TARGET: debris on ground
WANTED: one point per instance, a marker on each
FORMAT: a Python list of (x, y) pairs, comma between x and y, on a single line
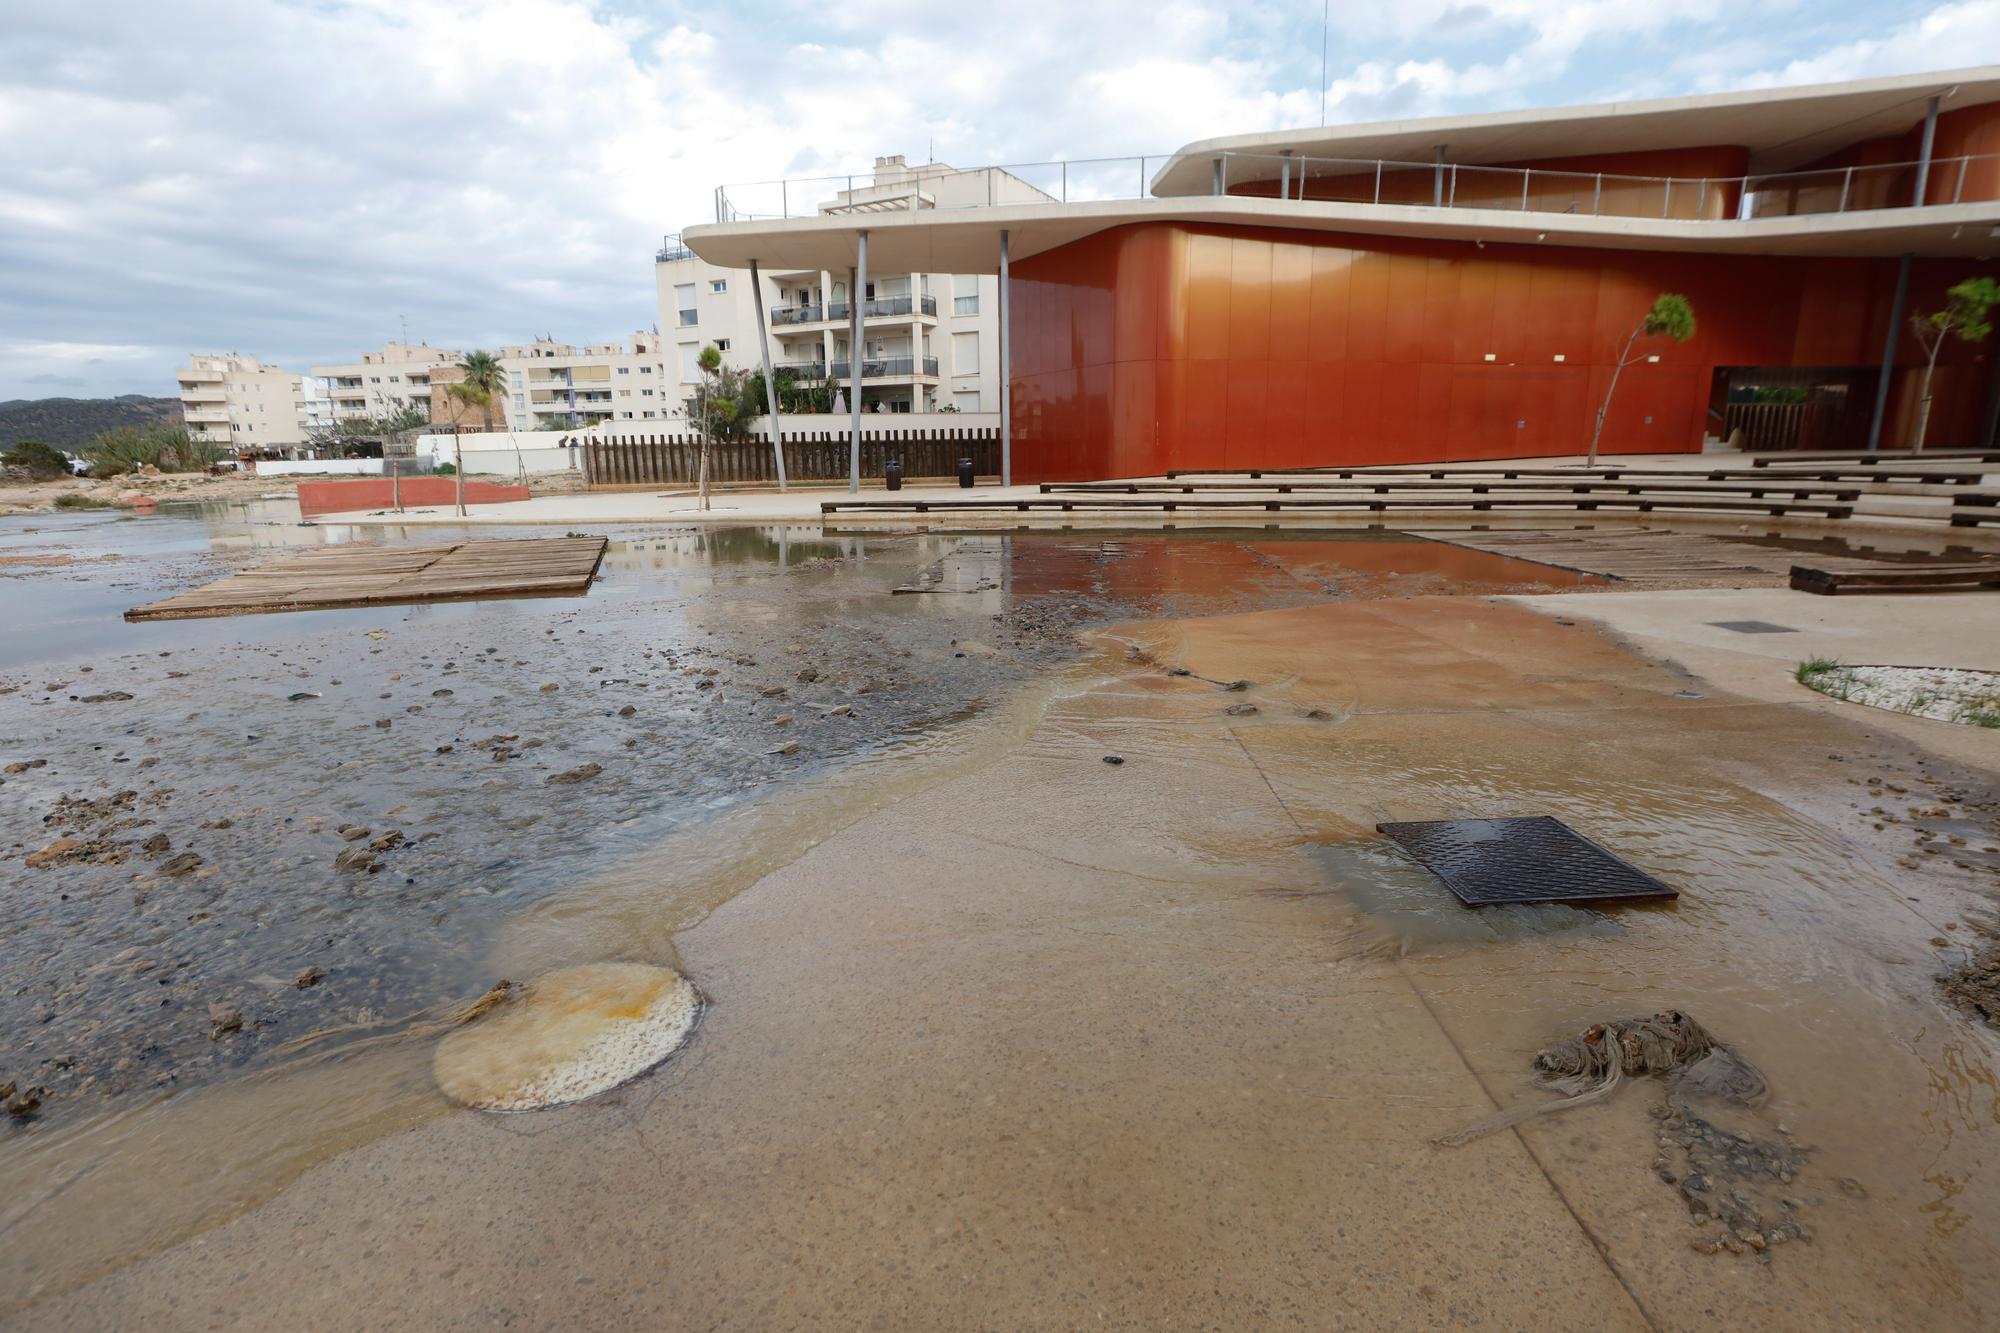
[(1974, 986), (496, 995), (1589, 1067), (1733, 1182), (581, 773)]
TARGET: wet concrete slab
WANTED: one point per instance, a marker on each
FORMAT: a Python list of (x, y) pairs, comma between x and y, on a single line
[(1029, 1038)]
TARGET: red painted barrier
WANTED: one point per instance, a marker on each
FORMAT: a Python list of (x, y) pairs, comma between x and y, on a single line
[(346, 497)]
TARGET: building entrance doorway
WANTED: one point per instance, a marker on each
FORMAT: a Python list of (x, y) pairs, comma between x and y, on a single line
[(1793, 407)]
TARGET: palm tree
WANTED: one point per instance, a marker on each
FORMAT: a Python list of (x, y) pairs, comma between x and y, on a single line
[(483, 381)]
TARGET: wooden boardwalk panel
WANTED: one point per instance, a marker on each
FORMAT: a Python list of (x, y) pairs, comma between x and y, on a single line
[(361, 574)]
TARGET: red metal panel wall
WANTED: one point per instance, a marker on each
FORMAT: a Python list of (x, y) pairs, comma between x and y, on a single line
[(347, 497), (1168, 345)]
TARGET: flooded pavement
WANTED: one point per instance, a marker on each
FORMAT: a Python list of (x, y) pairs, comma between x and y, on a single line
[(998, 1032)]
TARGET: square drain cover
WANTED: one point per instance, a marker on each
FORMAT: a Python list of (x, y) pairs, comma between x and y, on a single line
[(1532, 860), (1753, 627)]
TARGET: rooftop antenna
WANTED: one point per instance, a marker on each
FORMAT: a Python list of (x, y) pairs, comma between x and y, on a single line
[(404, 320), (1325, 22)]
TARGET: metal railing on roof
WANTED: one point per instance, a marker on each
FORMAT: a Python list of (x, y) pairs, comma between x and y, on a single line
[(672, 249), (1386, 182)]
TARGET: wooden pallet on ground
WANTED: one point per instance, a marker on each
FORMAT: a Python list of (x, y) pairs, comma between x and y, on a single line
[(366, 574), (1895, 578)]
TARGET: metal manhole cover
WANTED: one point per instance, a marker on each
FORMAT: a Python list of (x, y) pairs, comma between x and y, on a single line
[(1753, 627), (1533, 860)]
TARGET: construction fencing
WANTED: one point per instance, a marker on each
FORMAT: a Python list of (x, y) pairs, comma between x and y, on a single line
[(674, 460)]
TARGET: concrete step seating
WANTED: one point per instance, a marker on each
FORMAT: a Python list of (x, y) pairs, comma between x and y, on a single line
[(1880, 458), (1364, 501)]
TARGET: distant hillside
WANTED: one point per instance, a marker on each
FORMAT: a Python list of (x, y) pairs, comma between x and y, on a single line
[(69, 422)]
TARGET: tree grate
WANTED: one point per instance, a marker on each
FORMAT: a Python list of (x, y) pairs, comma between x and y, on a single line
[(1536, 859)]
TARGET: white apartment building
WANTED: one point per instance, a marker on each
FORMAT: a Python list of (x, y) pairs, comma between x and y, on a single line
[(930, 341), (397, 377), (554, 386), (241, 402)]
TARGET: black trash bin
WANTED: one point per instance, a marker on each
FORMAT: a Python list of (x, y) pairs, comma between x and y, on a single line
[(965, 474), (892, 475)]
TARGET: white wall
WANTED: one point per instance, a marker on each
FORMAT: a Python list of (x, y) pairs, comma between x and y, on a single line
[(332, 467), (506, 453)]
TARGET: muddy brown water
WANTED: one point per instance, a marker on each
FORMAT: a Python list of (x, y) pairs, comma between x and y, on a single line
[(1003, 1031)]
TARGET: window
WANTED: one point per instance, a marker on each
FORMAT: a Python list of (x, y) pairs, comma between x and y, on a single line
[(690, 362), (718, 285), (626, 415), (624, 393), (517, 379), (374, 379), (722, 344), (520, 400), (966, 400), (645, 370), (645, 393), (965, 353), (647, 414), (624, 370), (684, 302), (395, 379)]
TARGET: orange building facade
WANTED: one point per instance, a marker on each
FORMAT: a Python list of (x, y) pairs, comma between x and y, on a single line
[(1169, 345)]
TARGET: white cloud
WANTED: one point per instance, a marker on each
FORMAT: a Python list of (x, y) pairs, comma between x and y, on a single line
[(294, 178), (1948, 37)]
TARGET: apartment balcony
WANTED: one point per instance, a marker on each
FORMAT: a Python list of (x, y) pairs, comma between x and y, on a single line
[(203, 415), (890, 367), (200, 377), (203, 393), (798, 314)]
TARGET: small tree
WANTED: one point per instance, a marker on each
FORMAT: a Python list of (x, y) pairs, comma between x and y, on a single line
[(1967, 315), (706, 407), (1670, 317)]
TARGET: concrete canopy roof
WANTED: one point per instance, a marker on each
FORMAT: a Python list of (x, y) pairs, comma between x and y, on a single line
[(1783, 128), (967, 240)]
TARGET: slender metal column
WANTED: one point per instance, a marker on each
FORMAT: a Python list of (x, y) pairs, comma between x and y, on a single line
[(857, 282), (1889, 353), (1006, 374), (1924, 154), (1285, 175), (1437, 179), (770, 381)]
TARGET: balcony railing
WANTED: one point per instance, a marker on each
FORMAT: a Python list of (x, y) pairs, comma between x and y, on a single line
[(886, 367), (800, 370), (888, 307), (1370, 181), (672, 249), (797, 314)]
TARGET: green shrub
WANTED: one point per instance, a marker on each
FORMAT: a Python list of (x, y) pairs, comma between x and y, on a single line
[(444, 470), (72, 500), (38, 459), (168, 448)]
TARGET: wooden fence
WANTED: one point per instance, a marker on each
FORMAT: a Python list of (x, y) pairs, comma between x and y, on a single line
[(659, 460)]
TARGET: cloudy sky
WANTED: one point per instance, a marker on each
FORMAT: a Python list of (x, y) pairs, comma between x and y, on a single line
[(306, 179)]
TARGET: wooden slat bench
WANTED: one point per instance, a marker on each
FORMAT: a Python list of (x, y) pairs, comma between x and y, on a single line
[(1896, 578), (1959, 477)]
